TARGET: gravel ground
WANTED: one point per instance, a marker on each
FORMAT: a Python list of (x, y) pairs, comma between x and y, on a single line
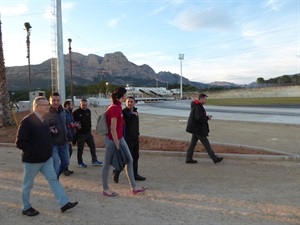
[(234, 192)]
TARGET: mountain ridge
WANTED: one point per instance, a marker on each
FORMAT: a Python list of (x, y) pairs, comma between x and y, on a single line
[(90, 69)]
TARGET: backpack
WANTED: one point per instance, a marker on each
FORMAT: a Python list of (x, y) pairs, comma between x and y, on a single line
[(101, 125)]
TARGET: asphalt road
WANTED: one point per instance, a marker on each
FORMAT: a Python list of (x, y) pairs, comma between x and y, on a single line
[(282, 115)]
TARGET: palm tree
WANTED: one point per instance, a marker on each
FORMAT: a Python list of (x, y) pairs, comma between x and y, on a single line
[(6, 112)]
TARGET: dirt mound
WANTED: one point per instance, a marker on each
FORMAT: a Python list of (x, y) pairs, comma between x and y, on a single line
[(8, 135)]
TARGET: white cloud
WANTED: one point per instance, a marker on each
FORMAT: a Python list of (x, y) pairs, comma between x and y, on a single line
[(114, 22), (211, 18), (14, 10), (165, 5), (274, 5), (67, 6)]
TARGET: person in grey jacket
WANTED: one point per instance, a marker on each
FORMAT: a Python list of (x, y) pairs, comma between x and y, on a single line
[(56, 118), (197, 125)]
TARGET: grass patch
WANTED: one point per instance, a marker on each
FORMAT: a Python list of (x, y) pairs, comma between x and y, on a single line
[(254, 101)]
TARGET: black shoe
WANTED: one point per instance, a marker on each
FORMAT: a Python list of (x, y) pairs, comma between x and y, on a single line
[(116, 175), (138, 177), (30, 212), (69, 205), (191, 161), (218, 159), (67, 172)]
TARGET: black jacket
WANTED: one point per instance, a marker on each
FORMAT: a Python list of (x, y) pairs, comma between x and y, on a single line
[(58, 119), (197, 122), (131, 121), (34, 139), (85, 119)]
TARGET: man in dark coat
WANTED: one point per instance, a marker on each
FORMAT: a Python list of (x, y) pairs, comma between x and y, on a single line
[(132, 133), (82, 116), (34, 139), (56, 117), (198, 126)]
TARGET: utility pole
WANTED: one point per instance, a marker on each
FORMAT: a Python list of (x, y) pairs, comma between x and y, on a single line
[(71, 76), (181, 57), (61, 88), (27, 28)]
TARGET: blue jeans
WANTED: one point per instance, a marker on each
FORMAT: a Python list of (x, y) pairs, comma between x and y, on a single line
[(110, 148), (61, 158), (46, 168)]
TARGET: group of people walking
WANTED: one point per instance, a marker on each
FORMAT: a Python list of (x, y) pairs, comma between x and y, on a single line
[(46, 137)]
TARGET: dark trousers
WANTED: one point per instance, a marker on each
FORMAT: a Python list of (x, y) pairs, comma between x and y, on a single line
[(89, 140), (205, 143), (70, 152), (134, 146)]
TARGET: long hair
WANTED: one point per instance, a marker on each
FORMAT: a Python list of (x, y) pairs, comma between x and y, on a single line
[(118, 93)]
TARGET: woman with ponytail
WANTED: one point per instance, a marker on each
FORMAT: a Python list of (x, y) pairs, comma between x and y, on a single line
[(114, 141)]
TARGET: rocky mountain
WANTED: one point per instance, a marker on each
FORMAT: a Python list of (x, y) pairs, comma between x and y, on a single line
[(113, 67), (223, 84)]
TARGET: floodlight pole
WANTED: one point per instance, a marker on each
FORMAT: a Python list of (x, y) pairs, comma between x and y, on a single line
[(27, 28), (181, 57), (71, 76), (106, 87)]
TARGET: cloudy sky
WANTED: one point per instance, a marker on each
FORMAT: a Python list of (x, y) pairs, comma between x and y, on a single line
[(222, 40)]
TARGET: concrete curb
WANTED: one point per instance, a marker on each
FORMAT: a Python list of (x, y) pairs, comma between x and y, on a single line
[(228, 145), (293, 158), (283, 157)]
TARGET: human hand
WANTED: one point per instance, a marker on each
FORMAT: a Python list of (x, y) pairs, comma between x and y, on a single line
[(77, 125), (53, 130)]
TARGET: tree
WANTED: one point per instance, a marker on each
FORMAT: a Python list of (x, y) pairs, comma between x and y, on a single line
[(260, 80), (295, 79), (285, 79), (6, 112)]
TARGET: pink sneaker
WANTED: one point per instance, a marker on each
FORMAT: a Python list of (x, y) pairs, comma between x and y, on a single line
[(137, 191)]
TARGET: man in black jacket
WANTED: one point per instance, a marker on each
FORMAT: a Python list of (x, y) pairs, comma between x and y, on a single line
[(198, 126), (131, 135), (34, 139), (56, 117), (83, 116)]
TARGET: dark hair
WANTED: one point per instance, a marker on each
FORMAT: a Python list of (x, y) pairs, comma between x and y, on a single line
[(118, 93), (131, 98), (202, 96), (67, 102), (54, 94)]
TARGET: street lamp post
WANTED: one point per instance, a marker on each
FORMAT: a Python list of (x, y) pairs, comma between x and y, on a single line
[(181, 57), (71, 76), (27, 28), (106, 84)]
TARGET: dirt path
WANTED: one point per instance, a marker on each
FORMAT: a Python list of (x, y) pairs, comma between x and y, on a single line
[(233, 192)]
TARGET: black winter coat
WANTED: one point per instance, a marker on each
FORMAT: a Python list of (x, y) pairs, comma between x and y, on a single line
[(85, 119), (34, 139), (197, 122), (131, 121), (58, 119)]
